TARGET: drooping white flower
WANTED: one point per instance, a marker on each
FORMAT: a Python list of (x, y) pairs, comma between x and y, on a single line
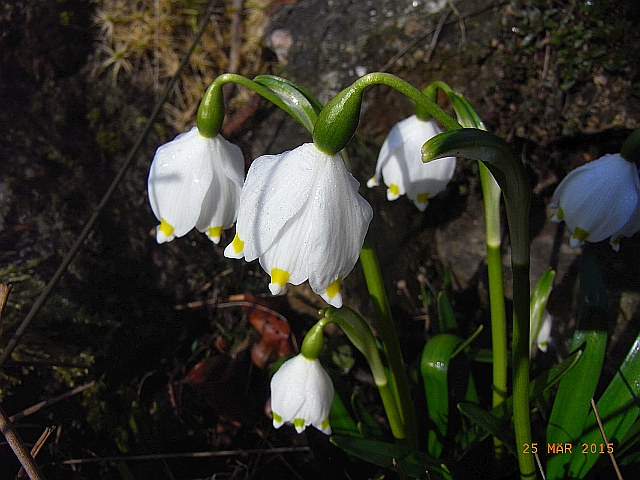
[(598, 200), (302, 393), (400, 163), (301, 215), (195, 181), (543, 335)]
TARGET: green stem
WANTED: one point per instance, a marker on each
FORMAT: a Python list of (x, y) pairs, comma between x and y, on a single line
[(491, 193), (359, 333), (389, 338), (491, 198), (211, 109), (509, 172), (520, 355), (338, 120)]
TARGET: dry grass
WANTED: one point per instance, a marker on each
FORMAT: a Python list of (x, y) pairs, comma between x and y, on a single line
[(143, 42)]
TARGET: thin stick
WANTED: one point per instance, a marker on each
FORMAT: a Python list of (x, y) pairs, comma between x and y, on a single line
[(18, 447), (606, 442), (166, 456), (44, 295), (37, 447), (47, 403)]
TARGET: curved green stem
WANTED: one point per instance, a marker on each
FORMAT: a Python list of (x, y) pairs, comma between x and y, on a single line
[(510, 174), (338, 120), (211, 110), (389, 337), (360, 334)]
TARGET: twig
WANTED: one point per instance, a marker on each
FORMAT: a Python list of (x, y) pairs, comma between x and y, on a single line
[(236, 37), (18, 447), (37, 447), (44, 295), (47, 403), (167, 456), (436, 35), (606, 442)]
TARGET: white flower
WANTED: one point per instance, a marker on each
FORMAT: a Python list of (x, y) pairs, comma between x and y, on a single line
[(598, 200), (400, 163), (301, 215), (302, 393), (543, 335), (195, 181)]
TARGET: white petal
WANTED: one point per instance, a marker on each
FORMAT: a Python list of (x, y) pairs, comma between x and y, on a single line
[(598, 197), (179, 178), (276, 187), (630, 228), (343, 218), (220, 206)]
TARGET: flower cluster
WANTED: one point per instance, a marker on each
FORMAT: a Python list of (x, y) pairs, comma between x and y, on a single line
[(598, 200), (299, 212)]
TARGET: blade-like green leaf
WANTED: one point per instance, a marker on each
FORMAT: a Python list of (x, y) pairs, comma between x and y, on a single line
[(572, 403), (618, 409), (302, 105), (404, 460), (340, 419), (368, 425), (446, 316), (490, 423), (539, 302), (434, 367), (537, 387)]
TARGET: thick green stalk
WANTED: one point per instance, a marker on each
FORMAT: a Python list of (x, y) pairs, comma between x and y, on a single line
[(509, 172), (491, 193), (491, 198), (389, 337)]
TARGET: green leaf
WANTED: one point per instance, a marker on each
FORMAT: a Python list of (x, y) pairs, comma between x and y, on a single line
[(302, 105), (340, 420), (367, 425), (618, 408), (539, 302), (537, 387), (490, 423), (446, 316), (434, 367), (401, 459), (572, 403)]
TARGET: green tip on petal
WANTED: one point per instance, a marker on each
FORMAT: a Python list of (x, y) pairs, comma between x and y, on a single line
[(325, 426), (578, 237), (277, 420), (299, 423), (334, 288)]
